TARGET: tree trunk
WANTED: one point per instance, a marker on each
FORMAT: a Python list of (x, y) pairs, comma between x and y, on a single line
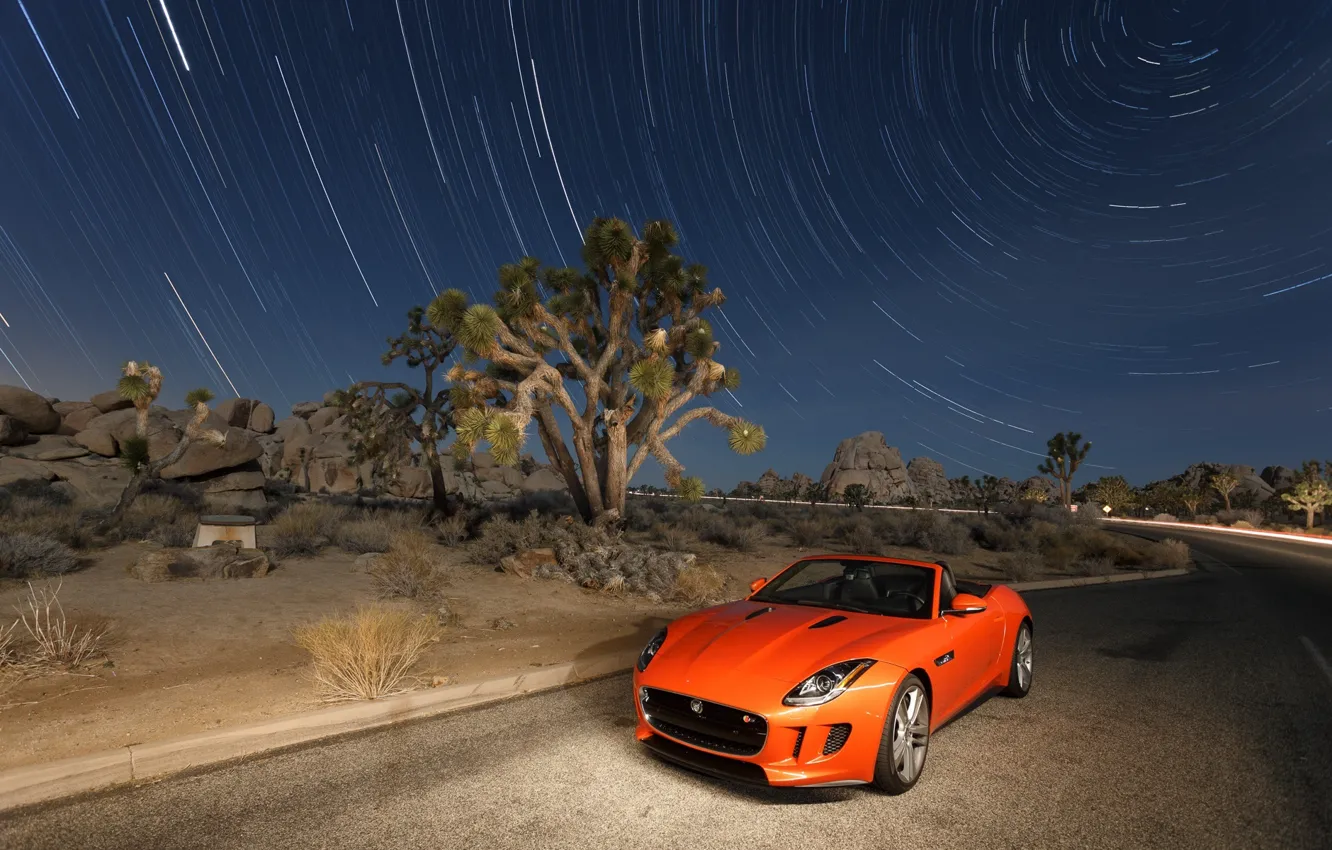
[(1226, 496), (617, 462), (439, 494), (1309, 515), (127, 497), (553, 443)]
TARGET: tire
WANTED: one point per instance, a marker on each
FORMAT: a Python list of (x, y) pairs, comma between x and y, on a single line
[(906, 739), (1019, 670)]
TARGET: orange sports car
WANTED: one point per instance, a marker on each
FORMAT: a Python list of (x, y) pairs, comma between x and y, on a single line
[(833, 672)]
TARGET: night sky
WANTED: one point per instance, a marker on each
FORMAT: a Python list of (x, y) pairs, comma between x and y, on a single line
[(965, 224)]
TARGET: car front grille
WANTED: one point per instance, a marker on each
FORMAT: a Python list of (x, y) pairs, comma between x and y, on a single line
[(837, 736), (713, 726)]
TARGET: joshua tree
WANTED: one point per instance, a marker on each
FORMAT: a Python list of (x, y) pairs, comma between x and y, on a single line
[(1192, 498), (857, 496), (1310, 495), (141, 383), (1066, 454), (389, 418), (1114, 492), (987, 493), (632, 354), (816, 492), (1036, 495), (1162, 496), (1225, 484)]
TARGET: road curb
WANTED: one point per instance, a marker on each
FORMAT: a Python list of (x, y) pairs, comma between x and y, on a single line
[(1090, 580), (1287, 536), (24, 786)]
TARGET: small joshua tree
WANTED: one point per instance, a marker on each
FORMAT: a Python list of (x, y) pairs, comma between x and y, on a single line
[(388, 419), (141, 383), (631, 350), (857, 496), (816, 492), (1114, 492), (1192, 498), (1225, 484), (1035, 495), (987, 493), (1310, 495), (1066, 452)]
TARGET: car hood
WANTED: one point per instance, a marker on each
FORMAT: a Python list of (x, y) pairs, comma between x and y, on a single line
[(725, 643)]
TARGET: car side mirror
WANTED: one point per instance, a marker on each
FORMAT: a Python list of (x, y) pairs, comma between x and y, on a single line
[(963, 604), (756, 584)]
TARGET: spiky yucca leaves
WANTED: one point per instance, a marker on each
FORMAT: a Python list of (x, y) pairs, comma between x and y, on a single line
[(1065, 453), (690, 489), (140, 383), (134, 453), (621, 350), (1311, 495), (389, 420)]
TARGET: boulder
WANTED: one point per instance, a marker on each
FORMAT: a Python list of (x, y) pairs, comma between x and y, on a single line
[(270, 462), (203, 457), (34, 412), (64, 453), (235, 411), (544, 480), (868, 459), (261, 418), (163, 434), (97, 481), (224, 559), (243, 479), (97, 441), (495, 490), (247, 502), (110, 401), (75, 416), (35, 446), (334, 475), (927, 476), (304, 409), (14, 469), (291, 427), (1279, 478), (322, 418), (329, 397), (525, 563), (12, 431), (482, 460), (182, 418), (411, 482)]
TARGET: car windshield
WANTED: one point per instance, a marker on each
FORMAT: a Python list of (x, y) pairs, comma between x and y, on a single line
[(855, 584)]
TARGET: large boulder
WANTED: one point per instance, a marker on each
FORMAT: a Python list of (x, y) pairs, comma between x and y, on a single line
[(97, 481), (110, 401), (927, 476), (75, 416), (304, 409), (323, 417), (203, 457), (221, 560), (261, 418), (34, 412), (411, 482), (12, 431), (15, 469), (235, 411), (270, 462), (868, 459), (544, 480), (163, 434), (1199, 475), (1279, 478), (97, 441), (291, 427)]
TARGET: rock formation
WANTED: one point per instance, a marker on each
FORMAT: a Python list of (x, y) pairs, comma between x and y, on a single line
[(927, 477), (869, 460)]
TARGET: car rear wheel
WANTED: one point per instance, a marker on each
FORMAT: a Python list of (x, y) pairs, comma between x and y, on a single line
[(906, 739), (1019, 674)]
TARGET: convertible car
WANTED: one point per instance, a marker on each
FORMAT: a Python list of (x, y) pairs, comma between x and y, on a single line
[(833, 672)]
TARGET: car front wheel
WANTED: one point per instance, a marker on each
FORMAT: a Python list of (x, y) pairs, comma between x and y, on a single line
[(906, 739), (1019, 674)]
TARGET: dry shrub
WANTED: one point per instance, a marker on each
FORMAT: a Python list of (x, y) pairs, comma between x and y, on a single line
[(1169, 555), (372, 533), (1253, 518), (54, 642), (304, 528), (938, 533), (160, 518), (13, 667), (43, 509), (638, 516), (1101, 566), (409, 569), (368, 654), (672, 539), (25, 555), (1165, 518), (1019, 566), (699, 584), (725, 531), (808, 532), (452, 530), (859, 536)]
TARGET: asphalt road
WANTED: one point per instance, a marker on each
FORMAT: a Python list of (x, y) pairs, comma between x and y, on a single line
[(1179, 713)]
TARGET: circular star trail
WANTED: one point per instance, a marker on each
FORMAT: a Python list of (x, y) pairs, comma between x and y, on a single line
[(967, 225)]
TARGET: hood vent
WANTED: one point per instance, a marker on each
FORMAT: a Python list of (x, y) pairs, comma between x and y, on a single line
[(828, 621), (752, 614)]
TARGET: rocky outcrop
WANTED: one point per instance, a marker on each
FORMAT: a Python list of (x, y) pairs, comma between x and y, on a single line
[(867, 459), (931, 483), (221, 560), (261, 419), (110, 401), (12, 431), (304, 409), (203, 457), (1250, 482), (1279, 478), (33, 412), (75, 416)]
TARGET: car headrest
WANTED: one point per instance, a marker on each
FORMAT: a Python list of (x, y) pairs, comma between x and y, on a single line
[(857, 574)]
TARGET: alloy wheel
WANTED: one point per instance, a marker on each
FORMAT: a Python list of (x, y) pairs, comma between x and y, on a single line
[(911, 733)]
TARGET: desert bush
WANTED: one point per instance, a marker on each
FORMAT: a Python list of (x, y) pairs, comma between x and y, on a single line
[(152, 512), (859, 536), (1097, 566), (1251, 516), (1019, 566), (368, 654), (808, 532), (699, 584), (304, 528), (47, 493), (938, 533), (638, 516), (1165, 518), (55, 643), (619, 565), (1205, 519), (25, 555), (672, 539), (695, 518), (1170, 555), (374, 531), (550, 503), (725, 531), (409, 568), (452, 530)]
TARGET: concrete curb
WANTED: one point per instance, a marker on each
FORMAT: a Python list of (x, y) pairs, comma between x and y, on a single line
[(1090, 580), (24, 786)]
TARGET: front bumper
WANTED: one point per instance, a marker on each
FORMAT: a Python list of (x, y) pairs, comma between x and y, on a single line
[(804, 746)]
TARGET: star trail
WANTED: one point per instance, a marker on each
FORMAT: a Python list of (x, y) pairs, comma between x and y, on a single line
[(965, 224)]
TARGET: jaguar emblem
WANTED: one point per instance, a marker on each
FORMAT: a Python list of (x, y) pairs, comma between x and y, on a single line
[(696, 706)]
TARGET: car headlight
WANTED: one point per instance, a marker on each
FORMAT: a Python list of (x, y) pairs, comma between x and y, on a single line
[(650, 651), (828, 684)]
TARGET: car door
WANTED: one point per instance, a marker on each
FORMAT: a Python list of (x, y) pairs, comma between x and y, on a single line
[(967, 654)]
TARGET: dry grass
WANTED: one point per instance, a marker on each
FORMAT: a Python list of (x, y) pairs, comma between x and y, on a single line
[(374, 532), (305, 528), (673, 539), (368, 654), (25, 555), (160, 518), (1171, 555), (1019, 566), (699, 584), (725, 531), (409, 569), (54, 642), (808, 532), (453, 530)]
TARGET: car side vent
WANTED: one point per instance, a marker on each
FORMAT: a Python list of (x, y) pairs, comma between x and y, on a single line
[(828, 621), (752, 614), (800, 739)]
